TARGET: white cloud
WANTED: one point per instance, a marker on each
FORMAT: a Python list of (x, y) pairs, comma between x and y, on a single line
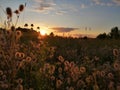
[(43, 5)]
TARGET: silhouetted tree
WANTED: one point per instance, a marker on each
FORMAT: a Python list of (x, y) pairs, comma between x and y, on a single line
[(115, 33), (52, 34), (85, 37), (102, 36)]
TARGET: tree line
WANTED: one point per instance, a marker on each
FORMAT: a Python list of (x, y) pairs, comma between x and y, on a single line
[(113, 34)]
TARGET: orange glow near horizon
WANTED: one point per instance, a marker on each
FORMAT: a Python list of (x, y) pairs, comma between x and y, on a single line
[(43, 32)]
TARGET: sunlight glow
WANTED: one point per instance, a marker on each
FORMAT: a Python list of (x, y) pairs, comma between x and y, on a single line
[(42, 32)]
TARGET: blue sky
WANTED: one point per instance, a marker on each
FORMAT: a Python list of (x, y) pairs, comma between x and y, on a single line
[(74, 17)]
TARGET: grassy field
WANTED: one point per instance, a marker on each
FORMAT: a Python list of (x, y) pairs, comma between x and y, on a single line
[(57, 63)]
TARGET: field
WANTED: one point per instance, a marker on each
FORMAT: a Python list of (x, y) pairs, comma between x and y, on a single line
[(57, 63)]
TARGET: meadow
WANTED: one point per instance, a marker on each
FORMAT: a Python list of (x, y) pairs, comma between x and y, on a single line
[(57, 63), (30, 61)]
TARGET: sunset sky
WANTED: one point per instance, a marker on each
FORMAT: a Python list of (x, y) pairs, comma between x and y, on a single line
[(71, 17)]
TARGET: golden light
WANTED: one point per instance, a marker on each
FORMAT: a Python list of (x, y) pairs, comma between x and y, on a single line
[(42, 32)]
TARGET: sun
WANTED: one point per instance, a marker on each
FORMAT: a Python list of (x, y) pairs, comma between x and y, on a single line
[(42, 32)]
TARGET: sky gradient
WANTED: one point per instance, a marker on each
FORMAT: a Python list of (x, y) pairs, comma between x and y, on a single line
[(71, 17)]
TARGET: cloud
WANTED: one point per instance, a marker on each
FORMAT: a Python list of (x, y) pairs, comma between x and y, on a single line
[(117, 2), (43, 5), (97, 2), (60, 12), (63, 29), (103, 3), (83, 6)]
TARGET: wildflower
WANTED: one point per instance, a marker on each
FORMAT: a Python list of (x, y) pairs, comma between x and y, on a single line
[(20, 80), (52, 78), (102, 73), (1, 53), (5, 86), (71, 88), (58, 83), (115, 52), (75, 77), (8, 32), (28, 59), (31, 89), (82, 69), (96, 87), (61, 76), (19, 87), (111, 85), (1, 72), (9, 12), (22, 55), (13, 28), (110, 75), (61, 59), (98, 72), (60, 70), (66, 63), (116, 66), (89, 79), (46, 65), (96, 58), (118, 87), (68, 80), (80, 83), (66, 68), (17, 55), (4, 77), (51, 69), (76, 69), (21, 7), (72, 64), (18, 34)]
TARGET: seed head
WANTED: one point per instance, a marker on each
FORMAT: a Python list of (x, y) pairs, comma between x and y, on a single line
[(9, 12), (16, 12), (21, 7)]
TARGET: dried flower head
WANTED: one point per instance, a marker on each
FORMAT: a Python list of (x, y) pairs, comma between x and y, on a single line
[(82, 69), (22, 55), (52, 78), (28, 59), (21, 7), (18, 34), (61, 59), (60, 70), (58, 83), (80, 83), (9, 12), (115, 52), (20, 80), (17, 55), (116, 66), (102, 73), (8, 32), (13, 28), (110, 76), (19, 87), (16, 12), (1, 72), (71, 88)]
